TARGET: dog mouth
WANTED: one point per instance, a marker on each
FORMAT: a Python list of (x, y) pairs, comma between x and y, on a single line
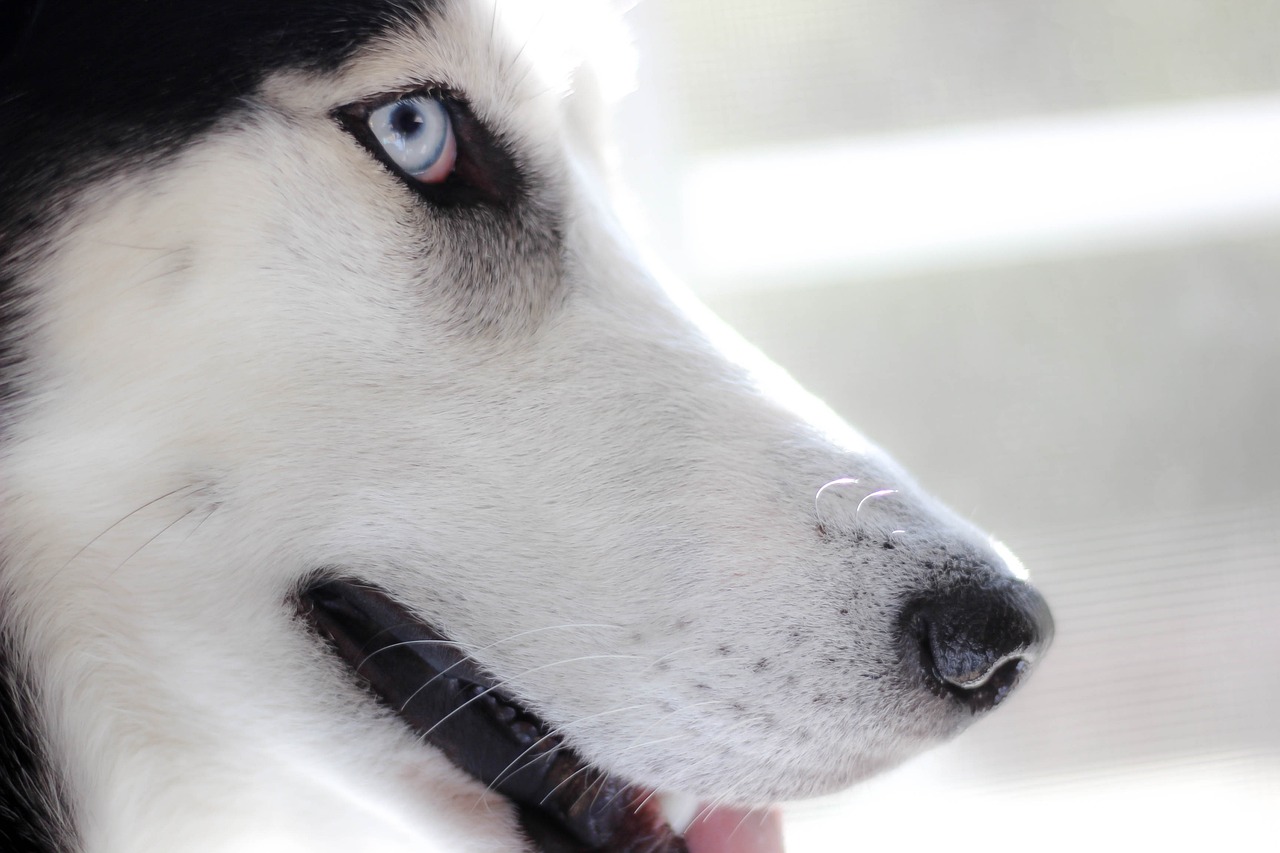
[(565, 805)]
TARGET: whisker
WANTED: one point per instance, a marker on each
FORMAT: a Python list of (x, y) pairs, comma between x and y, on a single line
[(404, 643), (880, 494), (200, 524), (645, 801), (467, 656), (598, 784), (511, 769), (138, 550), (557, 732), (499, 684), (595, 799), (741, 821), (529, 38), (122, 520), (562, 783), (710, 806), (817, 511), (494, 644), (641, 746)]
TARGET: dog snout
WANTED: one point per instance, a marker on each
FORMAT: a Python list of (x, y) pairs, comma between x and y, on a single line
[(976, 642)]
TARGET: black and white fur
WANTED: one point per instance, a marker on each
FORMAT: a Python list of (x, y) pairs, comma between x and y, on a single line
[(238, 350)]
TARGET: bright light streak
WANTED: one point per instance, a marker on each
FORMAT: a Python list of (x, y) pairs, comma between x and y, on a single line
[(920, 201)]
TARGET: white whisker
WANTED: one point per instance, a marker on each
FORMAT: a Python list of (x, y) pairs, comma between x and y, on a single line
[(878, 494), (488, 690), (494, 644), (817, 510), (557, 732), (584, 768)]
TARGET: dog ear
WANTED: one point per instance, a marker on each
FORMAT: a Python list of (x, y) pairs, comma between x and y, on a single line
[(17, 19)]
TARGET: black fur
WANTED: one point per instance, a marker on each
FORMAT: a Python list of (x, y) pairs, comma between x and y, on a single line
[(85, 85), (123, 80), (31, 817), (16, 20)]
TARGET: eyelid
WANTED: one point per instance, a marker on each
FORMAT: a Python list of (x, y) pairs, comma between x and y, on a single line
[(486, 172), (361, 110)]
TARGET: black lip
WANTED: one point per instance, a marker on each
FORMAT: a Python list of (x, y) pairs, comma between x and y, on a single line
[(565, 805)]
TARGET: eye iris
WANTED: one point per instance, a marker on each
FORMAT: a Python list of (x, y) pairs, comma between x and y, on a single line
[(416, 133)]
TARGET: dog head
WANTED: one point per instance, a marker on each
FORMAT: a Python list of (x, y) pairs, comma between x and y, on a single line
[(336, 291)]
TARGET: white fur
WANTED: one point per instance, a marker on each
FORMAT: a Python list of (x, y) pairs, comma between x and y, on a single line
[(243, 371)]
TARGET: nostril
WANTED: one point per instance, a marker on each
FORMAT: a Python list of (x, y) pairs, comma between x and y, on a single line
[(976, 643), (971, 678)]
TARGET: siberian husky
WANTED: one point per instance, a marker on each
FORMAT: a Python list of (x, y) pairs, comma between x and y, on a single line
[(362, 490)]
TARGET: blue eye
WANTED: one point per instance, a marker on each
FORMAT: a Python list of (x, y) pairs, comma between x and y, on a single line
[(417, 134)]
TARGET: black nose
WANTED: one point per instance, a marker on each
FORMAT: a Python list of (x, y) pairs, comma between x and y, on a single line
[(975, 642)]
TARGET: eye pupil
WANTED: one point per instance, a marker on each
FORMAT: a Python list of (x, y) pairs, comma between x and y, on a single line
[(407, 120)]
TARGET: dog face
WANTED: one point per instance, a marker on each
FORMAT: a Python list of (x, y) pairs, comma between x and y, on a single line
[(264, 344)]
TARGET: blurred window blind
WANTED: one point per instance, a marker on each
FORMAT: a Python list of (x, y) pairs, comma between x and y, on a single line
[(1033, 249)]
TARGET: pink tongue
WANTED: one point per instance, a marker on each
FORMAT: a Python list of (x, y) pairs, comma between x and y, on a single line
[(726, 830)]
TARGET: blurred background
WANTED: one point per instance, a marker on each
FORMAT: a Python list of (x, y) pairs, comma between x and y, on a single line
[(1033, 250)]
